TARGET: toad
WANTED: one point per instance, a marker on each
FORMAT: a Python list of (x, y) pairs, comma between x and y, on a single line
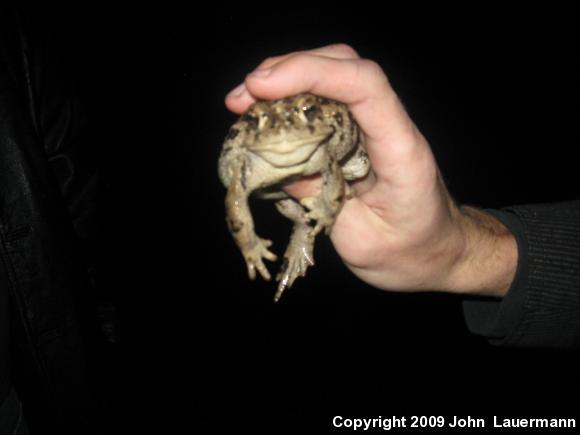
[(274, 143)]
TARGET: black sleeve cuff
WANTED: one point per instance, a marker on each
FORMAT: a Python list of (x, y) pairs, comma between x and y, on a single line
[(496, 318), (542, 306)]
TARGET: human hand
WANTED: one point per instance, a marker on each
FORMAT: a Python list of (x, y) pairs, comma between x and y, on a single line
[(401, 230)]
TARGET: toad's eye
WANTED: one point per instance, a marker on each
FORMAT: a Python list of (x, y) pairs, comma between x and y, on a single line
[(251, 120), (264, 116), (311, 112)]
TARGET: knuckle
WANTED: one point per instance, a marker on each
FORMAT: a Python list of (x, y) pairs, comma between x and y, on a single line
[(299, 60), (269, 61), (371, 71), (345, 50), (371, 67)]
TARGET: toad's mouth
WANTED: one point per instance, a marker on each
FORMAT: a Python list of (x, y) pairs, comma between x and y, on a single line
[(289, 152)]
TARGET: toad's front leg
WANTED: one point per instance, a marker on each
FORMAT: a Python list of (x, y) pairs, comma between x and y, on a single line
[(241, 224), (324, 207)]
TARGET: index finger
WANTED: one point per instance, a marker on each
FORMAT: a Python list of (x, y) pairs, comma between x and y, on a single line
[(335, 51), (240, 99), (359, 83)]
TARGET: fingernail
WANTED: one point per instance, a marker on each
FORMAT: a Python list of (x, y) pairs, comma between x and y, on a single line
[(261, 73), (237, 91)]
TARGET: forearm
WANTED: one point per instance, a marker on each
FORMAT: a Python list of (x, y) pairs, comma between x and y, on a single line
[(487, 263), (542, 306)]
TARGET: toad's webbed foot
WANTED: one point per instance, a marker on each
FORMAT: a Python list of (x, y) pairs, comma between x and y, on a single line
[(297, 258), (254, 257)]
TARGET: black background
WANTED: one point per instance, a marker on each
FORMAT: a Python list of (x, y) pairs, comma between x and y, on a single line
[(495, 89)]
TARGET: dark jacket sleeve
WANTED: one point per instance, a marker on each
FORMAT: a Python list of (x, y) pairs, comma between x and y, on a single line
[(542, 307), (61, 125)]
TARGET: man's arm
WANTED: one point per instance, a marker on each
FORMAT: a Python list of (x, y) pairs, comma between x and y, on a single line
[(410, 235), (542, 305), (487, 265)]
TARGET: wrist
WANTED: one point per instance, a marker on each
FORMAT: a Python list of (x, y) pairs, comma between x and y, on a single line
[(486, 256)]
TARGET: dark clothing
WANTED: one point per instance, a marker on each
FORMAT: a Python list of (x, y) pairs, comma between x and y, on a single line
[(44, 206), (4, 339), (542, 307), (12, 419)]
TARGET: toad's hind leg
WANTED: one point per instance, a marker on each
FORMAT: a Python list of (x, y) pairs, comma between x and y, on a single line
[(241, 225), (324, 207), (298, 255)]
